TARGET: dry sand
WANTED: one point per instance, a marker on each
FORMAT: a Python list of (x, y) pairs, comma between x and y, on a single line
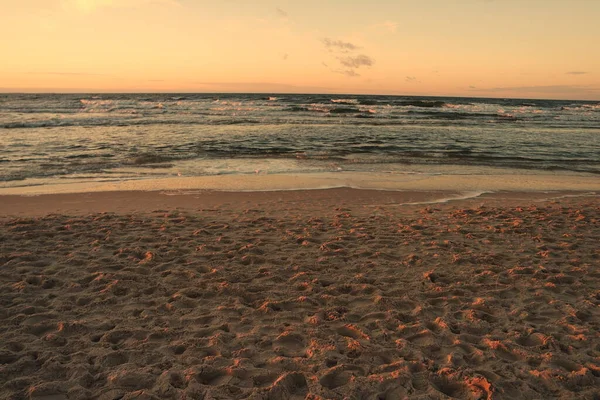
[(290, 295)]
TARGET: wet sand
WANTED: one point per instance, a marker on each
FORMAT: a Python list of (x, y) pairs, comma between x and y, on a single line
[(325, 294)]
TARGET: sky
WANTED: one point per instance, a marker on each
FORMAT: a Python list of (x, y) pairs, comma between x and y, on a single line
[(479, 48)]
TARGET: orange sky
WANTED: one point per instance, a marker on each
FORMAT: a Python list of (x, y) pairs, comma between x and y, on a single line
[(496, 48)]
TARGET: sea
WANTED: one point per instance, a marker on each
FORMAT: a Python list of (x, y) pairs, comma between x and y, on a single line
[(47, 139)]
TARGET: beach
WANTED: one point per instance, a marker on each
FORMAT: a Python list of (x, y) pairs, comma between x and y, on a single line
[(310, 200), (320, 294)]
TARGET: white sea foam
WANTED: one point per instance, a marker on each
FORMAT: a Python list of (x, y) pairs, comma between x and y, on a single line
[(463, 196), (345, 101)]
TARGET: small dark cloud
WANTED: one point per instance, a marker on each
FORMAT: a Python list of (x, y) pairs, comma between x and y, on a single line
[(323, 63), (281, 13), (348, 60), (285, 56), (338, 45), (472, 87), (577, 73), (348, 72), (356, 61), (351, 73), (412, 79)]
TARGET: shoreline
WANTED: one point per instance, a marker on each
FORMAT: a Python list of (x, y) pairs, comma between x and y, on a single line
[(277, 190), (137, 201), (422, 182)]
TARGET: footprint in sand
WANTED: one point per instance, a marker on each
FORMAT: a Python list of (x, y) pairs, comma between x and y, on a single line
[(213, 377), (289, 386), (420, 381), (566, 364), (352, 332), (264, 379), (290, 344), (450, 387), (114, 359), (424, 337), (373, 316), (335, 378), (533, 340)]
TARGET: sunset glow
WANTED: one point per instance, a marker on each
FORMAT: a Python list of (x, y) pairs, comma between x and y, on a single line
[(479, 48)]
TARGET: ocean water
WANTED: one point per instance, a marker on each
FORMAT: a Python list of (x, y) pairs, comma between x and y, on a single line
[(50, 138)]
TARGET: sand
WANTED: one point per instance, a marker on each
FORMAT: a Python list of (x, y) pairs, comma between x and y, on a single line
[(329, 294), (464, 179)]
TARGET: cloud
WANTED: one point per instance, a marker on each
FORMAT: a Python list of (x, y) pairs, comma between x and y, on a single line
[(348, 63), (411, 79), (576, 73), (285, 56), (356, 61), (348, 72), (472, 87), (281, 13), (88, 6), (338, 45)]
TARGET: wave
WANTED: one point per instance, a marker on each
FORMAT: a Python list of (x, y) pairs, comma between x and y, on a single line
[(368, 102), (452, 115), (344, 110), (150, 158), (368, 115), (420, 103), (127, 122), (202, 109), (23, 110), (582, 107), (367, 157), (345, 101), (297, 109), (378, 150), (354, 117)]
